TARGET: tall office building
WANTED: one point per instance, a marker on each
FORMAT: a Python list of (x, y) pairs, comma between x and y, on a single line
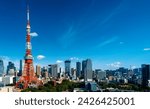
[(145, 75), (53, 70), (38, 70), (1, 66), (88, 72), (68, 68), (44, 71), (78, 69), (20, 69), (83, 68), (59, 72), (11, 68), (73, 73)]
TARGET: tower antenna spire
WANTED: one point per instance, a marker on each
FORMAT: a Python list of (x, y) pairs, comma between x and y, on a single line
[(28, 11)]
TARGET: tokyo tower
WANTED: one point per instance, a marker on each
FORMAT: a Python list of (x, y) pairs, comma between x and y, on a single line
[(28, 78)]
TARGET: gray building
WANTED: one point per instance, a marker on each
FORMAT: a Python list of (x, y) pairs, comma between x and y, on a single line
[(145, 75), (88, 72), (122, 72), (44, 72), (78, 69), (11, 69), (1, 66), (73, 73), (68, 68), (100, 75), (53, 70)]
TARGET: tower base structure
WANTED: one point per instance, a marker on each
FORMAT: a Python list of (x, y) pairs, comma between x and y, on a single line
[(24, 82), (28, 79)]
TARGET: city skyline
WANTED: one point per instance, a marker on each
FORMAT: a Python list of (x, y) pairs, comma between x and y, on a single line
[(111, 33)]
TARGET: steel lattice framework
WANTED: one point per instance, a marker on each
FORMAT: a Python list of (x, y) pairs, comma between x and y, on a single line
[(28, 77)]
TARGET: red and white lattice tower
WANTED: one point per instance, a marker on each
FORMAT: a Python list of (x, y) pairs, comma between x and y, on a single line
[(28, 77)]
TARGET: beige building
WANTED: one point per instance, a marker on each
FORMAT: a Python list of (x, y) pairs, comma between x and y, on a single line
[(7, 89), (38, 70)]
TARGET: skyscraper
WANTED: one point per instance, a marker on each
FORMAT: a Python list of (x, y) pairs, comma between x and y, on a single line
[(73, 73), (83, 68), (20, 69), (88, 72), (11, 68), (38, 70), (145, 75), (44, 72), (68, 68), (78, 69), (1, 66), (53, 70)]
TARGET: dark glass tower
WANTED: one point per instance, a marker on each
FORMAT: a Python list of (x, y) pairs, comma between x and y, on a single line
[(68, 68), (83, 68), (20, 69), (10, 66), (145, 74), (78, 69)]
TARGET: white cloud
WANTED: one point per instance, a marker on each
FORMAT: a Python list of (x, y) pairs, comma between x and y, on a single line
[(74, 59), (40, 57), (33, 34), (115, 65), (59, 61), (146, 49), (133, 67)]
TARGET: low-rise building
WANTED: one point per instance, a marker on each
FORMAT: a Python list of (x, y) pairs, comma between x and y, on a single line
[(7, 89)]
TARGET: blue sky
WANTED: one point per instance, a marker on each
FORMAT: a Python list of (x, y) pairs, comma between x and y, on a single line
[(112, 33)]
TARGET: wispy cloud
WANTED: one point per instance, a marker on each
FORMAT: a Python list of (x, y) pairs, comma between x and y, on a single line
[(34, 34), (146, 49), (4, 58), (112, 14), (108, 41), (40, 57), (68, 37), (114, 65), (97, 22)]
